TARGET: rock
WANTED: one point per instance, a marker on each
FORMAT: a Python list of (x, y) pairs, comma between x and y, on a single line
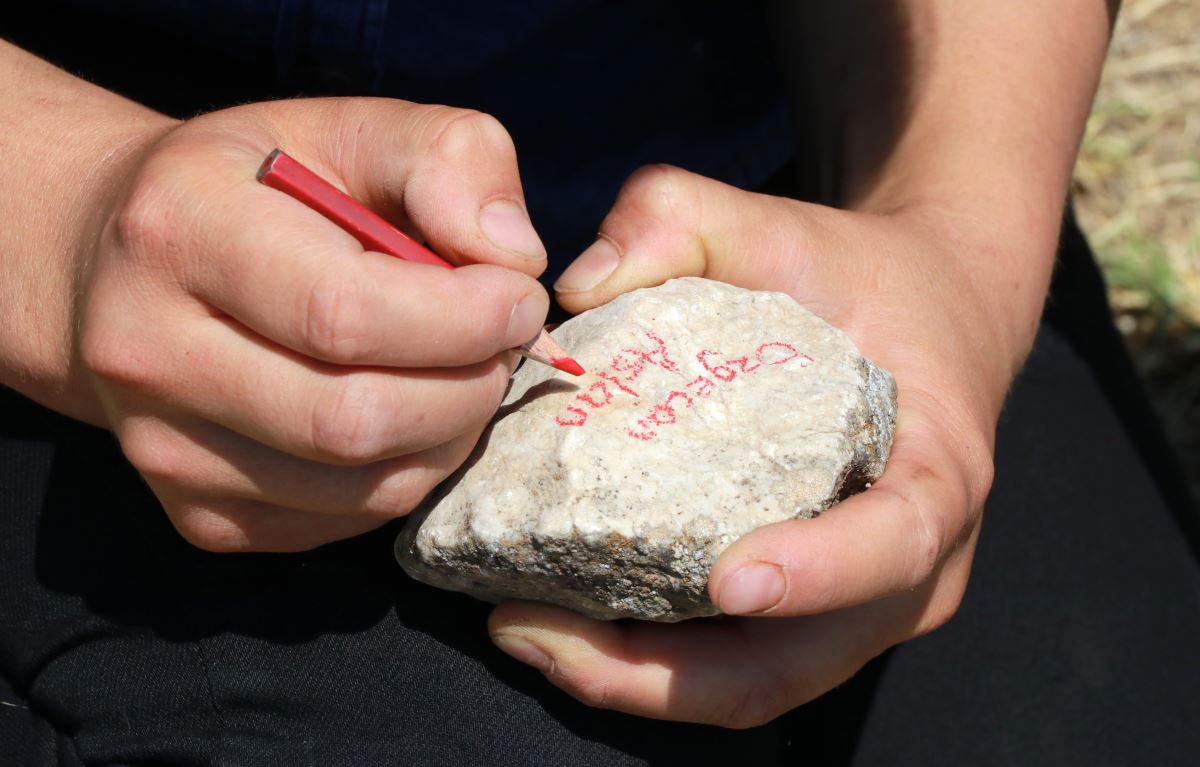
[(707, 411)]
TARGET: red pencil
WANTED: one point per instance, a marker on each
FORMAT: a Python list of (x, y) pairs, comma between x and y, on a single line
[(282, 172)]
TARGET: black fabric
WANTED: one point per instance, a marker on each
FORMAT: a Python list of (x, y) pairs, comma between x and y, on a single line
[(1078, 307)]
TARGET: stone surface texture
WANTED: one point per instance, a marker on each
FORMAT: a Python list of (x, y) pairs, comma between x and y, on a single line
[(707, 411)]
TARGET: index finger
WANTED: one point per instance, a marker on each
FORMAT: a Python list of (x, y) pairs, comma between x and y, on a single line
[(733, 673), (291, 275)]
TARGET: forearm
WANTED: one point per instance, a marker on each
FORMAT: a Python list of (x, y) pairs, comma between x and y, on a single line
[(61, 140), (972, 109)]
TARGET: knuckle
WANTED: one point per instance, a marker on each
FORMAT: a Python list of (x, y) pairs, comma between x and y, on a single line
[(983, 476), (397, 495), (931, 538), (756, 705), (351, 420), (663, 191), (95, 349), (156, 451), (113, 356), (468, 134), (209, 529), (928, 535), (940, 610), (335, 327), (594, 692), (144, 221)]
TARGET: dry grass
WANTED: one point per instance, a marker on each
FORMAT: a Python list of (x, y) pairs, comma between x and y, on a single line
[(1137, 191)]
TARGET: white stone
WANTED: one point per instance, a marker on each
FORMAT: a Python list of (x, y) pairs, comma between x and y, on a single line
[(707, 411)]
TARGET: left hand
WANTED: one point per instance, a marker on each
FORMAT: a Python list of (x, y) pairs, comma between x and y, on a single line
[(926, 292)]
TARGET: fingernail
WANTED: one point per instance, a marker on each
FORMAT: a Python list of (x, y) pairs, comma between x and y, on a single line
[(526, 320), (590, 269), (525, 651), (752, 589), (508, 226)]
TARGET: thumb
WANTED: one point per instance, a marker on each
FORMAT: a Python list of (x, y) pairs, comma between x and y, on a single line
[(668, 222), (447, 175)]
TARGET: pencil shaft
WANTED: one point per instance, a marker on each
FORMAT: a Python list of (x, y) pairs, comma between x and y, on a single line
[(280, 171)]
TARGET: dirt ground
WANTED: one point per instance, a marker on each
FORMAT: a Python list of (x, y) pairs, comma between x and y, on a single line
[(1137, 193)]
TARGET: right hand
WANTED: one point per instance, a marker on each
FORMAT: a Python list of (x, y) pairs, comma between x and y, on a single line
[(278, 387)]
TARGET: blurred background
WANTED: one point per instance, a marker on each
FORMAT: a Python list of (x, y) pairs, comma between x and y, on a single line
[(1137, 195)]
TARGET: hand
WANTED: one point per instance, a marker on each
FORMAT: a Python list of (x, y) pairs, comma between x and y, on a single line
[(914, 288), (277, 387)]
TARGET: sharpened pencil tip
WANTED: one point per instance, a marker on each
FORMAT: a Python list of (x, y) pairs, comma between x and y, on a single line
[(568, 365)]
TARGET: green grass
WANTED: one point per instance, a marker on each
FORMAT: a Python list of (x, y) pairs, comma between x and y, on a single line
[(1135, 261)]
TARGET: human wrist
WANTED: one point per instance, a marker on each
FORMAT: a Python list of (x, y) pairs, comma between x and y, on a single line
[(70, 152), (995, 228), (979, 128)]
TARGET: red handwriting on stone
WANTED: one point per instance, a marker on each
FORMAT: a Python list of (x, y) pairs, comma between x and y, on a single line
[(632, 362), (629, 364), (771, 353)]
